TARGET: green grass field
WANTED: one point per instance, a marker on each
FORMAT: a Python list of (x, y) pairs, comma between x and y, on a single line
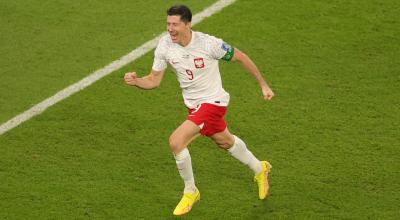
[(331, 132)]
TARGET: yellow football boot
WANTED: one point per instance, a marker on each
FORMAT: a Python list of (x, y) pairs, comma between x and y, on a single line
[(262, 180), (186, 203)]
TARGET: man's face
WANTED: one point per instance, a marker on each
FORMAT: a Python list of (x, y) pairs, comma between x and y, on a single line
[(177, 29)]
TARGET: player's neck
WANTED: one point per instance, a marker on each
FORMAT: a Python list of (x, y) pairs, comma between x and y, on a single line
[(186, 39)]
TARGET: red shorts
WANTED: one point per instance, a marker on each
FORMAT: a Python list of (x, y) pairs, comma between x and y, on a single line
[(209, 117)]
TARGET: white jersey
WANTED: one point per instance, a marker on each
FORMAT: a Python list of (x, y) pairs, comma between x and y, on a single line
[(196, 67)]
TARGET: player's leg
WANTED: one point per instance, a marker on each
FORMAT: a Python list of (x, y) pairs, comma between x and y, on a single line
[(238, 149), (179, 140)]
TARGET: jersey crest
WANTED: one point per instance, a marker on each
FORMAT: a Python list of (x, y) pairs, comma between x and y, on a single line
[(199, 63)]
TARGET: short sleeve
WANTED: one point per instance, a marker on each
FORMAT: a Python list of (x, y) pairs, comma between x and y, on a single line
[(219, 49), (160, 62)]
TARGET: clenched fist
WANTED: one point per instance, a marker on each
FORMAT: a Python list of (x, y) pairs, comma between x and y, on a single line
[(267, 93), (130, 78)]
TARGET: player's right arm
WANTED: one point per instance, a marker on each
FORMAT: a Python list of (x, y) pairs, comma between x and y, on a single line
[(153, 79), (150, 81)]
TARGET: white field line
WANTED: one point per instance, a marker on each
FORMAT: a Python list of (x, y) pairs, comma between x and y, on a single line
[(93, 77)]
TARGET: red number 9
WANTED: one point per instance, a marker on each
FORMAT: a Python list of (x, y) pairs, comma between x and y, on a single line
[(190, 74)]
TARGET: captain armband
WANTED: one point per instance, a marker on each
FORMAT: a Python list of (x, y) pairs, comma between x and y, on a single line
[(229, 51)]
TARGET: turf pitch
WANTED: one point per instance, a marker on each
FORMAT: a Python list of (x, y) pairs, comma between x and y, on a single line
[(331, 132)]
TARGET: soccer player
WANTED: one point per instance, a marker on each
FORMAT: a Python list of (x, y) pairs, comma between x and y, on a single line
[(194, 57)]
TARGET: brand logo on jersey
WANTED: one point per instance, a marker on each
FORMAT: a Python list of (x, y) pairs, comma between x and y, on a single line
[(199, 63), (174, 61)]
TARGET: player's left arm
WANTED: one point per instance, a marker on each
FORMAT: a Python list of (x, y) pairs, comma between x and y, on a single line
[(248, 64)]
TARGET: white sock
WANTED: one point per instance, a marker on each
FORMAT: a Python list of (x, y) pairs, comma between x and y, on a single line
[(240, 152), (184, 164)]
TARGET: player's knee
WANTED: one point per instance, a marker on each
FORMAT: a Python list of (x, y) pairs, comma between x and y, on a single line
[(175, 144), (225, 144)]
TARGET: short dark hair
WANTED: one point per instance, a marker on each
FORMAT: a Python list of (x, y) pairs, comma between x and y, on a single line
[(182, 10)]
